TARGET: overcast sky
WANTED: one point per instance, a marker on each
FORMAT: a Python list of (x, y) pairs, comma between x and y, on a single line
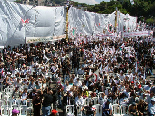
[(91, 2)]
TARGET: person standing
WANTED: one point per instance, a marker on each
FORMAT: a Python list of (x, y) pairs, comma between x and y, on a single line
[(37, 104), (48, 100)]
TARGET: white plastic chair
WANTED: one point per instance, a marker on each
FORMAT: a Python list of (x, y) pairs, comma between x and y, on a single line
[(23, 110), (87, 101), (8, 90), (124, 110), (116, 110), (2, 102), (95, 100), (70, 110), (98, 109), (100, 94), (29, 106), (79, 112), (29, 90), (2, 95), (5, 110)]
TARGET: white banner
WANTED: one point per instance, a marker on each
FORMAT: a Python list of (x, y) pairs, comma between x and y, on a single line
[(133, 34), (44, 39), (107, 35)]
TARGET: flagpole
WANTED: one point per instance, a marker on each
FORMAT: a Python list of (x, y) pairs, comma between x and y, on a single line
[(115, 20), (67, 8)]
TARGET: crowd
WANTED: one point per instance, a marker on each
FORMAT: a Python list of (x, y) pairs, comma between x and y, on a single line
[(105, 72)]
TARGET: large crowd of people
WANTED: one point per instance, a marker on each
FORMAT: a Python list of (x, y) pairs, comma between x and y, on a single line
[(104, 72)]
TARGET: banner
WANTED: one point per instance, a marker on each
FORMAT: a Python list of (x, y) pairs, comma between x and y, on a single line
[(44, 39), (133, 34), (38, 39), (107, 35)]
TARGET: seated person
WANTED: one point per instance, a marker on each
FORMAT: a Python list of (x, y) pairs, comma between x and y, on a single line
[(90, 111), (102, 99), (85, 93), (133, 109), (24, 96), (16, 94), (107, 108), (151, 107), (141, 107)]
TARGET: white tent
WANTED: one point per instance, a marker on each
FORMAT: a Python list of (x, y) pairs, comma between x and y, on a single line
[(18, 21)]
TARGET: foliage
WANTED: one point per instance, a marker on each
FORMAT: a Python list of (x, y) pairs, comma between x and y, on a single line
[(142, 9), (18, 1)]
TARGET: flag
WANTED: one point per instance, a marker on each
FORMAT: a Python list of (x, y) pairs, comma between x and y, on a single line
[(124, 28), (2, 72), (26, 21), (95, 77), (97, 24), (22, 20), (90, 73), (110, 28), (73, 31)]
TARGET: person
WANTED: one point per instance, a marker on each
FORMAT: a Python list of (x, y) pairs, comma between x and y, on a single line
[(133, 109), (102, 99), (15, 112), (141, 107), (37, 104), (54, 112), (79, 100), (24, 96), (107, 108), (48, 100), (16, 94), (151, 108), (90, 111)]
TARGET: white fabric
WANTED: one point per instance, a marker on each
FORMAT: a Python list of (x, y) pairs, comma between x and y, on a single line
[(43, 22)]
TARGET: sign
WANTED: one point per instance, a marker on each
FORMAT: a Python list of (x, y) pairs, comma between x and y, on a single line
[(59, 37), (43, 39), (107, 35), (133, 34)]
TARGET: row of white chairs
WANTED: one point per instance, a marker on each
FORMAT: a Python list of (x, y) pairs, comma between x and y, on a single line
[(8, 106), (117, 110)]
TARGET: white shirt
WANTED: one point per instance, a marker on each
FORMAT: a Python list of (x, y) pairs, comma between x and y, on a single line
[(123, 101), (78, 83), (79, 101), (102, 100), (67, 88), (151, 108), (147, 88), (122, 77), (84, 87)]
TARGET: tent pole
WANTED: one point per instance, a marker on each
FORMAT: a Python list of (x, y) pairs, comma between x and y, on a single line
[(115, 29), (67, 24)]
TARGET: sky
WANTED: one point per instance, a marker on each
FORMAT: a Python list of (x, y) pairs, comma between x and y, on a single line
[(90, 2)]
